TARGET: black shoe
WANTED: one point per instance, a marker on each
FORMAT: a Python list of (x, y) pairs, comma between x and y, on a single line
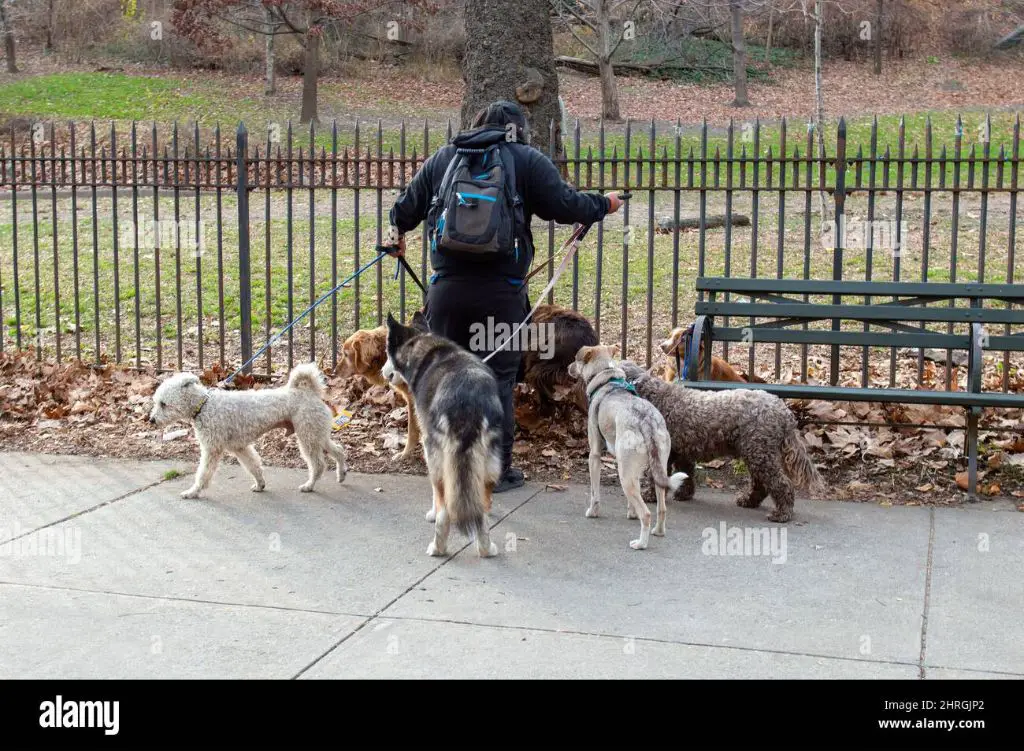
[(511, 479)]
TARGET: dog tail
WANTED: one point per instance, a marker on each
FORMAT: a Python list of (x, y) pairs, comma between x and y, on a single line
[(469, 474), (658, 463), (307, 377), (798, 465)]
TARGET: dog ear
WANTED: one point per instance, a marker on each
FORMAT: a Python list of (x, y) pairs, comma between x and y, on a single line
[(615, 350), (586, 354), (574, 369)]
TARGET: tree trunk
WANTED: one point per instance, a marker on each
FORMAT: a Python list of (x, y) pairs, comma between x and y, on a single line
[(819, 108), (270, 85), (878, 38), (310, 66), (512, 58), (48, 45), (8, 32), (739, 55), (768, 42), (609, 91)]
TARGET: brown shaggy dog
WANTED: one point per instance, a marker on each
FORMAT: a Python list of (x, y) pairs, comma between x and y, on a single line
[(754, 426), (364, 353), (720, 369), (571, 331)]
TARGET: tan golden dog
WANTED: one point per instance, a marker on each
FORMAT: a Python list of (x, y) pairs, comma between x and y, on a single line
[(720, 369), (364, 353)]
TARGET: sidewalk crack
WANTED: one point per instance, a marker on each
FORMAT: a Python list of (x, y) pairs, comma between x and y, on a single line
[(927, 593), (409, 589)]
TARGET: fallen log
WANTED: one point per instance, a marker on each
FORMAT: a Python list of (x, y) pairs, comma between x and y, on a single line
[(668, 223), (588, 66)]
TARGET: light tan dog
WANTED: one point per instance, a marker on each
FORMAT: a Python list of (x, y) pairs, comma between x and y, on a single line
[(632, 430), (720, 369), (364, 353)]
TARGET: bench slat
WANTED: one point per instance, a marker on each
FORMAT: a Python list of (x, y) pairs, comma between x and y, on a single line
[(876, 289), (844, 338), (811, 312), (771, 335), (843, 394)]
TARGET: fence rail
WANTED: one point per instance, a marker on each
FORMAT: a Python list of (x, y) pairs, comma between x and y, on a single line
[(178, 248)]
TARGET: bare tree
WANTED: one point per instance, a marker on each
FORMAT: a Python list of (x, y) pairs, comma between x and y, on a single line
[(305, 20), (605, 20), (877, 31), (819, 96), (48, 44), (739, 55), (8, 32), (270, 24)]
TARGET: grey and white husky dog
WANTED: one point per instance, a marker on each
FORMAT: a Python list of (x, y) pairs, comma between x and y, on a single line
[(633, 431), (459, 410)]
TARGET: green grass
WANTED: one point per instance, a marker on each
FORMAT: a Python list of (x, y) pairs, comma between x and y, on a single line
[(171, 474), (192, 284), (96, 96)]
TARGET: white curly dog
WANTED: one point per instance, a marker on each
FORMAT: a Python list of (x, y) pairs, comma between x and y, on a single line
[(229, 422)]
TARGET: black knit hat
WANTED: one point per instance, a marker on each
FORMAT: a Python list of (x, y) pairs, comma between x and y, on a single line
[(502, 113)]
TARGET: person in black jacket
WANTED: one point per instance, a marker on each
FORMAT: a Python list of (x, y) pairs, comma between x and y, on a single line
[(466, 294)]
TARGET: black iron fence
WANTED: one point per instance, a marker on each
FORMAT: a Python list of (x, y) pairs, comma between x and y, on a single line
[(182, 249)]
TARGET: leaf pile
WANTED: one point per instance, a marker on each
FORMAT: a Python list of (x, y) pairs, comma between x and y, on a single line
[(74, 408)]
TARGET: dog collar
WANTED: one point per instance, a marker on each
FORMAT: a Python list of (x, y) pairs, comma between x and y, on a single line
[(615, 383), (202, 404)]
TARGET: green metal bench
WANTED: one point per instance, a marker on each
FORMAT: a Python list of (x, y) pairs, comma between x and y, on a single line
[(898, 306)]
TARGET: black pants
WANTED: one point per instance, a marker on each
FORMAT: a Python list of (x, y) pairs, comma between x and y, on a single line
[(467, 310)]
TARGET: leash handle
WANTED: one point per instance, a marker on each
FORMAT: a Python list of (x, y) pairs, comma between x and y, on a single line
[(392, 250)]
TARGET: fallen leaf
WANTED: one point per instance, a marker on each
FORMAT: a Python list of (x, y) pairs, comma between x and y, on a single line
[(924, 488), (715, 463), (556, 487)]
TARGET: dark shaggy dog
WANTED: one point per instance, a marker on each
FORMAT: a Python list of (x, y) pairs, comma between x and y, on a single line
[(754, 426), (572, 331)]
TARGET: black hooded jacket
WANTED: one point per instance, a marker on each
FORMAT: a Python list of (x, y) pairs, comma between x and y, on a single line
[(538, 182)]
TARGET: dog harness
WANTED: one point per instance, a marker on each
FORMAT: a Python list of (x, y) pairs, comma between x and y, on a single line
[(611, 384)]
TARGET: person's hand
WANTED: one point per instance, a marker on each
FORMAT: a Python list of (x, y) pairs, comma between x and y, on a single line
[(396, 240), (614, 202)]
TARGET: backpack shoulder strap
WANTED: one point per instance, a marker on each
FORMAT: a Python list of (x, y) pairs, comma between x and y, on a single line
[(446, 179)]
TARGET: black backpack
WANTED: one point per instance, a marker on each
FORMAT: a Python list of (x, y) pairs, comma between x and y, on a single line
[(476, 213)]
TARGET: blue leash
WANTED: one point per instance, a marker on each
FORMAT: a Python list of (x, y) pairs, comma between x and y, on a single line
[(306, 312)]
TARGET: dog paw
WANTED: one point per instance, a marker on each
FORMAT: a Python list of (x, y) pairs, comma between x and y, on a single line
[(431, 515), (434, 551), (191, 493), (658, 531), (342, 474), (491, 551), (745, 501), (306, 487), (593, 512), (638, 544), (780, 516), (257, 487), (631, 514)]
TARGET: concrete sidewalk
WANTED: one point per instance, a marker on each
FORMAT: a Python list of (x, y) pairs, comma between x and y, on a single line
[(106, 573)]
